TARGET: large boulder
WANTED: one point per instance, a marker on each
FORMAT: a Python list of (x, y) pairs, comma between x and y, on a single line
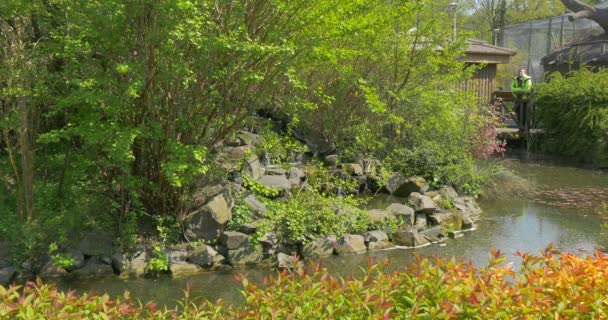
[(402, 211), (248, 138), (254, 167), (208, 222), (277, 182), (245, 255), (288, 262), (350, 244), (269, 243), (234, 240), (136, 266), (296, 176), (376, 215), (258, 208), (380, 245), (77, 257), (375, 236), (409, 238), (421, 221), (319, 247), (94, 268), (370, 166), (49, 270), (353, 169), (422, 203), (467, 206), (434, 234), (7, 274), (96, 244), (400, 186), (205, 256), (206, 191)]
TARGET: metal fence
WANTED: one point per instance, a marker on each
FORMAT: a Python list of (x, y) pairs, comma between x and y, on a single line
[(535, 39)]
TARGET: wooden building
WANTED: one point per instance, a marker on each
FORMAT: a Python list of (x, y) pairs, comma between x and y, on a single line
[(484, 79)]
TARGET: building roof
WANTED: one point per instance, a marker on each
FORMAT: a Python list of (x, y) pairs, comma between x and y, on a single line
[(482, 52)]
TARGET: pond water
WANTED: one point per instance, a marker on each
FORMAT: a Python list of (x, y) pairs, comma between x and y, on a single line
[(517, 224)]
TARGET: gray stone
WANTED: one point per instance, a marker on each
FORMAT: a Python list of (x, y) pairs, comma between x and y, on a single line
[(288, 262), (319, 247), (350, 244), (380, 245), (467, 223), (467, 206), (184, 269), (248, 138), (7, 274), (234, 240), (375, 236), (177, 255), (421, 222), (96, 244), (376, 215), (258, 208), (205, 192), (400, 186), (77, 257), (409, 238), (205, 256), (118, 263), (277, 182), (275, 172), (254, 167), (246, 255), (249, 228), (422, 203), (353, 169), (370, 166), (434, 234), (209, 221), (49, 270), (295, 176), (94, 268), (448, 193), (233, 154), (331, 160), (136, 267), (400, 210)]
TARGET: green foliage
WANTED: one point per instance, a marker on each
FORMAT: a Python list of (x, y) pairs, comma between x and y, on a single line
[(279, 148), (331, 183), (573, 111), (258, 188), (309, 214), (60, 259), (159, 263), (241, 214), (547, 286)]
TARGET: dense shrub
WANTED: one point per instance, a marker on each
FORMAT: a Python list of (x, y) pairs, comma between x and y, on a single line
[(573, 111), (547, 286)]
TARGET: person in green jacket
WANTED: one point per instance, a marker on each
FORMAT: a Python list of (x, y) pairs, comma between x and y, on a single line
[(521, 87)]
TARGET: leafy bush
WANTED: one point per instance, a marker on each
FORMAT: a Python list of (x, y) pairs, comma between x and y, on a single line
[(573, 111), (547, 286)]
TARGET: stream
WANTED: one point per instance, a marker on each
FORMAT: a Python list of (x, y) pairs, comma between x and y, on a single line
[(516, 224)]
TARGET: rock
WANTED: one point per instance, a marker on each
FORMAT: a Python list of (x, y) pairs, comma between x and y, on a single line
[(380, 245), (400, 210), (118, 263), (420, 222), (399, 186), (448, 192), (319, 247), (288, 262), (249, 228), (49, 270), (315, 140), (353, 169), (208, 222), (94, 268), (258, 208), (245, 255), (331, 160), (275, 172), (176, 255), (467, 223), (234, 240), (375, 236), (277, 182), (248, 138), (253, 167), (7, 274), (434, 234), (95, 244), (422, 203), (467, 206), (228, 154), (409, 238), (184, 269), (376, 215), (136, 267), (205, 256), (295, 176), (350, 244), (77, 257), (370, 166), (270, 243), (205, 192)]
